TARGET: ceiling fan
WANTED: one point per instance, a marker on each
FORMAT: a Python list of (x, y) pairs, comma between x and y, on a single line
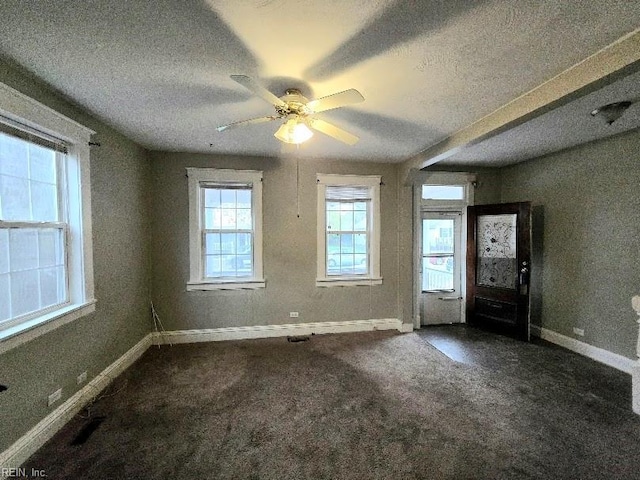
[(297, 112)]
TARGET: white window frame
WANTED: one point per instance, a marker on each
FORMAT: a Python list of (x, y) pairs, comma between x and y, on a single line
[(18, 110), (199, 178), (373, 277)]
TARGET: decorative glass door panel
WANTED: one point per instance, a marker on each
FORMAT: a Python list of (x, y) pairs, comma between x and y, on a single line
[(497, 251)]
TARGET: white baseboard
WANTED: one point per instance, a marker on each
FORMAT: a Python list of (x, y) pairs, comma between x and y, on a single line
[(267, 331), (31, 441), (598, 354)]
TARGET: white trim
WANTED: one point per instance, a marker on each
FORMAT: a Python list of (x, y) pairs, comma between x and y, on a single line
[(347, 282), (23, 109), (197, 177), (31, 441), (269, 331), (226, 285), (601, 355), (374, 277)]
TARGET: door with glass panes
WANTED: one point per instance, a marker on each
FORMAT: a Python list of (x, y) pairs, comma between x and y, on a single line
[(441, 300)]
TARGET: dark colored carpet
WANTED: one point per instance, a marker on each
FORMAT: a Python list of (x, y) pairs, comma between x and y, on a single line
[(374, 405)]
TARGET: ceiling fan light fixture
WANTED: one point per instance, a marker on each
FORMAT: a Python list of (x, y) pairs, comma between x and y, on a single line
[(294, 130)]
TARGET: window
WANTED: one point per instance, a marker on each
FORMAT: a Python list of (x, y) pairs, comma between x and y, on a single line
[(33, 230), (45, 223), (439, 253), (348, 230), (443, 192), (225, 229)]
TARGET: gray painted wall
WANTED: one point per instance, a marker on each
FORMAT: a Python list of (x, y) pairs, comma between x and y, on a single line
[(289, 248), (588, 205), (119, 189)]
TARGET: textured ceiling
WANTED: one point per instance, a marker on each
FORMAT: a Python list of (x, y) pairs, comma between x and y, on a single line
[(563, 127), (159, 71)]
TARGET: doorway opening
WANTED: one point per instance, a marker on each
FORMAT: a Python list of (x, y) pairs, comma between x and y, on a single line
[(439, 247)]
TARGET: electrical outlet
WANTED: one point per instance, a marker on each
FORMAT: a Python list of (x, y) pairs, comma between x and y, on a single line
[(578, 331), (81, 378), (294, 314), (54, 397)]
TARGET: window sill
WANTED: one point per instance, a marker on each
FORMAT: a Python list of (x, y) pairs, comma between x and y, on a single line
[(35, 327), (348, 282), (251, 284)]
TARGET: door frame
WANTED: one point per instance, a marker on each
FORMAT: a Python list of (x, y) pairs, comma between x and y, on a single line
[(468, 180)]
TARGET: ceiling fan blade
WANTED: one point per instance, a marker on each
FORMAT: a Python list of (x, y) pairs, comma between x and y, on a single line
[(258, 89), (252, 121), (333, 131), (336, 100)]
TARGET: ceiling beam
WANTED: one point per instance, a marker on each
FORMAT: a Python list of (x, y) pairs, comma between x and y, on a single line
[(613, 62)]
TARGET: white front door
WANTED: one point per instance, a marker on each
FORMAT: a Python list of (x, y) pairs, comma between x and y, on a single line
[(441, 257)]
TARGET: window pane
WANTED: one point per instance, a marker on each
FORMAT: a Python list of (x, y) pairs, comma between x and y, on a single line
[(360, 206), (333, 263), (211, 197), (42, 164), (333, 220), (437, 236), (23, 249), (346, 243), (4, 250), (212, 218), (228, 243), (228, 218), (346, 221), (229, 265), (333, 243), (243, 198), (24, 292), (228, 198), (212, 244), (334, 206), (213, 266), (244, 243), (52, 286), (437, 273), (360, 221), (50, 247), (13, 156), (244, 264), (360, 245), (44, 201), (244, 219), (15, 198), (5, 297), (443, 192), (360, 264)]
